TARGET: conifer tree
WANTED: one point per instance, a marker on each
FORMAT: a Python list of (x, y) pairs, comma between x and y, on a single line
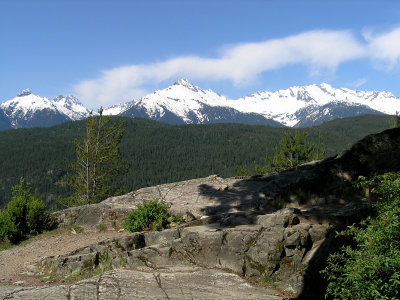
[(98, 160), (395, 121), (293, 150)]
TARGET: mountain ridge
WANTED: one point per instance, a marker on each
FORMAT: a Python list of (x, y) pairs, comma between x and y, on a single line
[(185, 103), (28, 110)]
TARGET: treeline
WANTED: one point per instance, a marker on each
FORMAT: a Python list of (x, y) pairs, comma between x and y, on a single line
[(158, 152)]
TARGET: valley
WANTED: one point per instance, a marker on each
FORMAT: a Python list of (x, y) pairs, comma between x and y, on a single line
[(158, 152)]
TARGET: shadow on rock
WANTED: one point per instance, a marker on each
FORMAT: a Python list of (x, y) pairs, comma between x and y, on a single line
[(316, 184), (323, 193)]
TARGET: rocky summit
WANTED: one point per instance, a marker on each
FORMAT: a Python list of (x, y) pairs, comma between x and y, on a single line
[(264, 237)]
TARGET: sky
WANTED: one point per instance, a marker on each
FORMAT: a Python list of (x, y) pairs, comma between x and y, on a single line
[(107, 52)]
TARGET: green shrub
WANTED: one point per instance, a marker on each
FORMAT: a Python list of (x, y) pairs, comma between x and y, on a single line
[(37, 215), (24, 214), (176, 219), (16, 226), (369, 266), (386, 187), (3, 224), (150, 215), (8, 229)]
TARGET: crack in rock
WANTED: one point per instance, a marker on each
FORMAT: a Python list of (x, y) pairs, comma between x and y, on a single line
[(98, 288), (157, 277), (69, 293), (11, 295)]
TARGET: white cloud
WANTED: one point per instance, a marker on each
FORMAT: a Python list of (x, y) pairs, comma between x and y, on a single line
[(359, 82), (319, 51), (384, 48)]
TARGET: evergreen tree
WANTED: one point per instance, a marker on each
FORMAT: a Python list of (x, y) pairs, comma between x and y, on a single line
[(98, 160), (293, 150), (395, 121)]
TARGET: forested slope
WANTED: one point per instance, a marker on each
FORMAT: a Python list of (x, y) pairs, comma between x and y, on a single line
[(158, 152)]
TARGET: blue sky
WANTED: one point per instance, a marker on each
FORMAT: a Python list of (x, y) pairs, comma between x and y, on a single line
[(106, 52)]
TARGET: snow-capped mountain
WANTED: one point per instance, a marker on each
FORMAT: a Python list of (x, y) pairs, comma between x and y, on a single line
[(185, 103), (313, 115), (303, 106), (117, 109), (29, 110), (291, 106), (71, 107)]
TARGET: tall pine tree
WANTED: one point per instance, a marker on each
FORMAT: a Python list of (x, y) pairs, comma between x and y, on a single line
[(98, 160)]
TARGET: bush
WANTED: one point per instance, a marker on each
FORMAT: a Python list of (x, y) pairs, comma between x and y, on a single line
[(3, 224), (25, 214), (8, 229), (369, 267), (37, 215), (176, 219), (150, 215), (16, 226)]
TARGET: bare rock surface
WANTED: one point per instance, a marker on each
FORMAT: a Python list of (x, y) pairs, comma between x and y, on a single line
[(170, 283), (193, 197), (277, 245), (17, 262)]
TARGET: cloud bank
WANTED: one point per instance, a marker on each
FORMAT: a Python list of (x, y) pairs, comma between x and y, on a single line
[(319, 51)]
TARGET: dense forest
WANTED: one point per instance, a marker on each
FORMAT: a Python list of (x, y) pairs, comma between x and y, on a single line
[(158, 152)]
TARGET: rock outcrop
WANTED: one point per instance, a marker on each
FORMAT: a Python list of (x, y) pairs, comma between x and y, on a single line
[(171, 283), (277, 229), (276, 246)]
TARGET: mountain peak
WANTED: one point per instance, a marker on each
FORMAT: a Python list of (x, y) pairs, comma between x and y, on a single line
[(68, 98), (325, 85), (184, 82), (25, 92), (59, 98)]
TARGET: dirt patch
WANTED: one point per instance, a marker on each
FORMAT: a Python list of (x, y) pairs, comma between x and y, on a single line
[(14, 262)]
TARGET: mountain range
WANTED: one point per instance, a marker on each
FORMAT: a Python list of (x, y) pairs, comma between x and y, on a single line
[(27, 110), (185, 103)]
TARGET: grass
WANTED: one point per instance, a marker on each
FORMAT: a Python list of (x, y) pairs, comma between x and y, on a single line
[(267, 278), (5, 245), (102, 227), (268, 281), (73, 227)]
